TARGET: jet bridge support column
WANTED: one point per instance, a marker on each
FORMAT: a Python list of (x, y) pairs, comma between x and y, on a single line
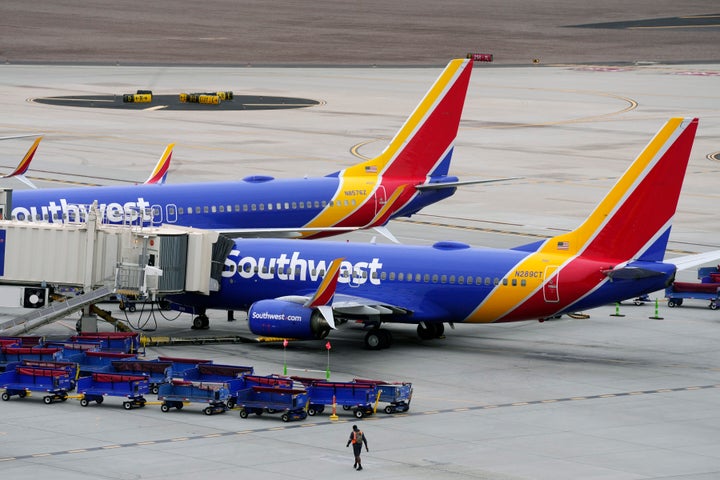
[(88, 319)]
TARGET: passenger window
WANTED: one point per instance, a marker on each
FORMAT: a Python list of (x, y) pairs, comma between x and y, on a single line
[(392, 275), (514, 282), (222, 208), (401, 276), (523, 282), (452, 279), (214, 209), (504, 281), (435, 278), (461, 280), (443, 279), (206, 209)]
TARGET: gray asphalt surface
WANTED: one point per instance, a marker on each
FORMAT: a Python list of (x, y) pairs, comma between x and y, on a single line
[(368, 32)]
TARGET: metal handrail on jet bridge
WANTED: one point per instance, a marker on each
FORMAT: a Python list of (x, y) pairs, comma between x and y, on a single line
[(37, 318)]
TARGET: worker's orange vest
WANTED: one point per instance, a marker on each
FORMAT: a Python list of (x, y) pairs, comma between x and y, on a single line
[(357, 437)]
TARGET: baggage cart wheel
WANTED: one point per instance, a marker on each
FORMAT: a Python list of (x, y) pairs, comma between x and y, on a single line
[(22, 394), (84, 402), (271, 410), (672, 303), (713, 306), (127, 405), (131, 307), (5, 396), (165, 408), (47, 399), (346, 407), (259, 413), (154, 390), (285, 417), (180, 406), (63, 398), (230, 404), (311, 411), (99, 400), (359, 413), (389, 409), (243, 413), (208, 411)]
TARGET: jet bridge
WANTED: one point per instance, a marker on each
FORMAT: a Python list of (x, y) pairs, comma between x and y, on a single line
[(100, 260)]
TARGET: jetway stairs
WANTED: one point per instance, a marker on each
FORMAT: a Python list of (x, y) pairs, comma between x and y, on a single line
[(54, 311)]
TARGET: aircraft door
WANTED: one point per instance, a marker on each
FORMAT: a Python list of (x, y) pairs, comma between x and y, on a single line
[(156, 213), (550, 284), (380, 198)]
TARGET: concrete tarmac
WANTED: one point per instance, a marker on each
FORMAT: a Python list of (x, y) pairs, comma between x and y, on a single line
[(605, 397)]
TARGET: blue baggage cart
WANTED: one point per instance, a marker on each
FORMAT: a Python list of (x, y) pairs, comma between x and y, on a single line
[(20, 380), (231, 376), (398, 394), (70, 367), (355, 396), (10, 354), (97, 386), (99, 362), (157, 372), (178, 392), (257, 399), (179, 365), (123, 342)]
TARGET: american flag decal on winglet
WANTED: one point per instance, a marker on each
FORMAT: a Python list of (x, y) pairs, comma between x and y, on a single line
[(370, 169), (563, 245)]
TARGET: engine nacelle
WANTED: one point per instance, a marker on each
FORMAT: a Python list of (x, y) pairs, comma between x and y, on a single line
[(277, 318)]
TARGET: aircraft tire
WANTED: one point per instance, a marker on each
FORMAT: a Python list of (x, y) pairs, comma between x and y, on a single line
[(377, 339)]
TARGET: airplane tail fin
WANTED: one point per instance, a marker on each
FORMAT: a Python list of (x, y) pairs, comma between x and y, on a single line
[(159, 173), (633, 221), (24, 165), (424, 145)]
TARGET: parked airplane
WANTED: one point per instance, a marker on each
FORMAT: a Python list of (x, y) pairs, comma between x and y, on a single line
[(616, 254), (411, 173)]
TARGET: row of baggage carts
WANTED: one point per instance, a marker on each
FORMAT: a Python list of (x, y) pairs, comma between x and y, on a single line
[(91, 374)]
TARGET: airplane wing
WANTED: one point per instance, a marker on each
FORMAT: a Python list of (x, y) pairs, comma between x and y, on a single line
[(279, 232), (690, 261), (441, 185), (159, 173), (353, 305)]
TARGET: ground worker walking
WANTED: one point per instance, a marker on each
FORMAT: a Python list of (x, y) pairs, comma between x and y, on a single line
[(357, 438)]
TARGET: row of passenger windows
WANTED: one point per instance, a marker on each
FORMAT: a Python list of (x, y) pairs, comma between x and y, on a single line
[(254, 207), (399, 276)]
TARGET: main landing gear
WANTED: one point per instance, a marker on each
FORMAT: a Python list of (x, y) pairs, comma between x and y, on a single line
[(201, 322), (428, 331), (378, 338)]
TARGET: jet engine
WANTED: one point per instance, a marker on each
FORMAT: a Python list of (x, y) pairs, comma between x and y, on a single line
[(279, 318)]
